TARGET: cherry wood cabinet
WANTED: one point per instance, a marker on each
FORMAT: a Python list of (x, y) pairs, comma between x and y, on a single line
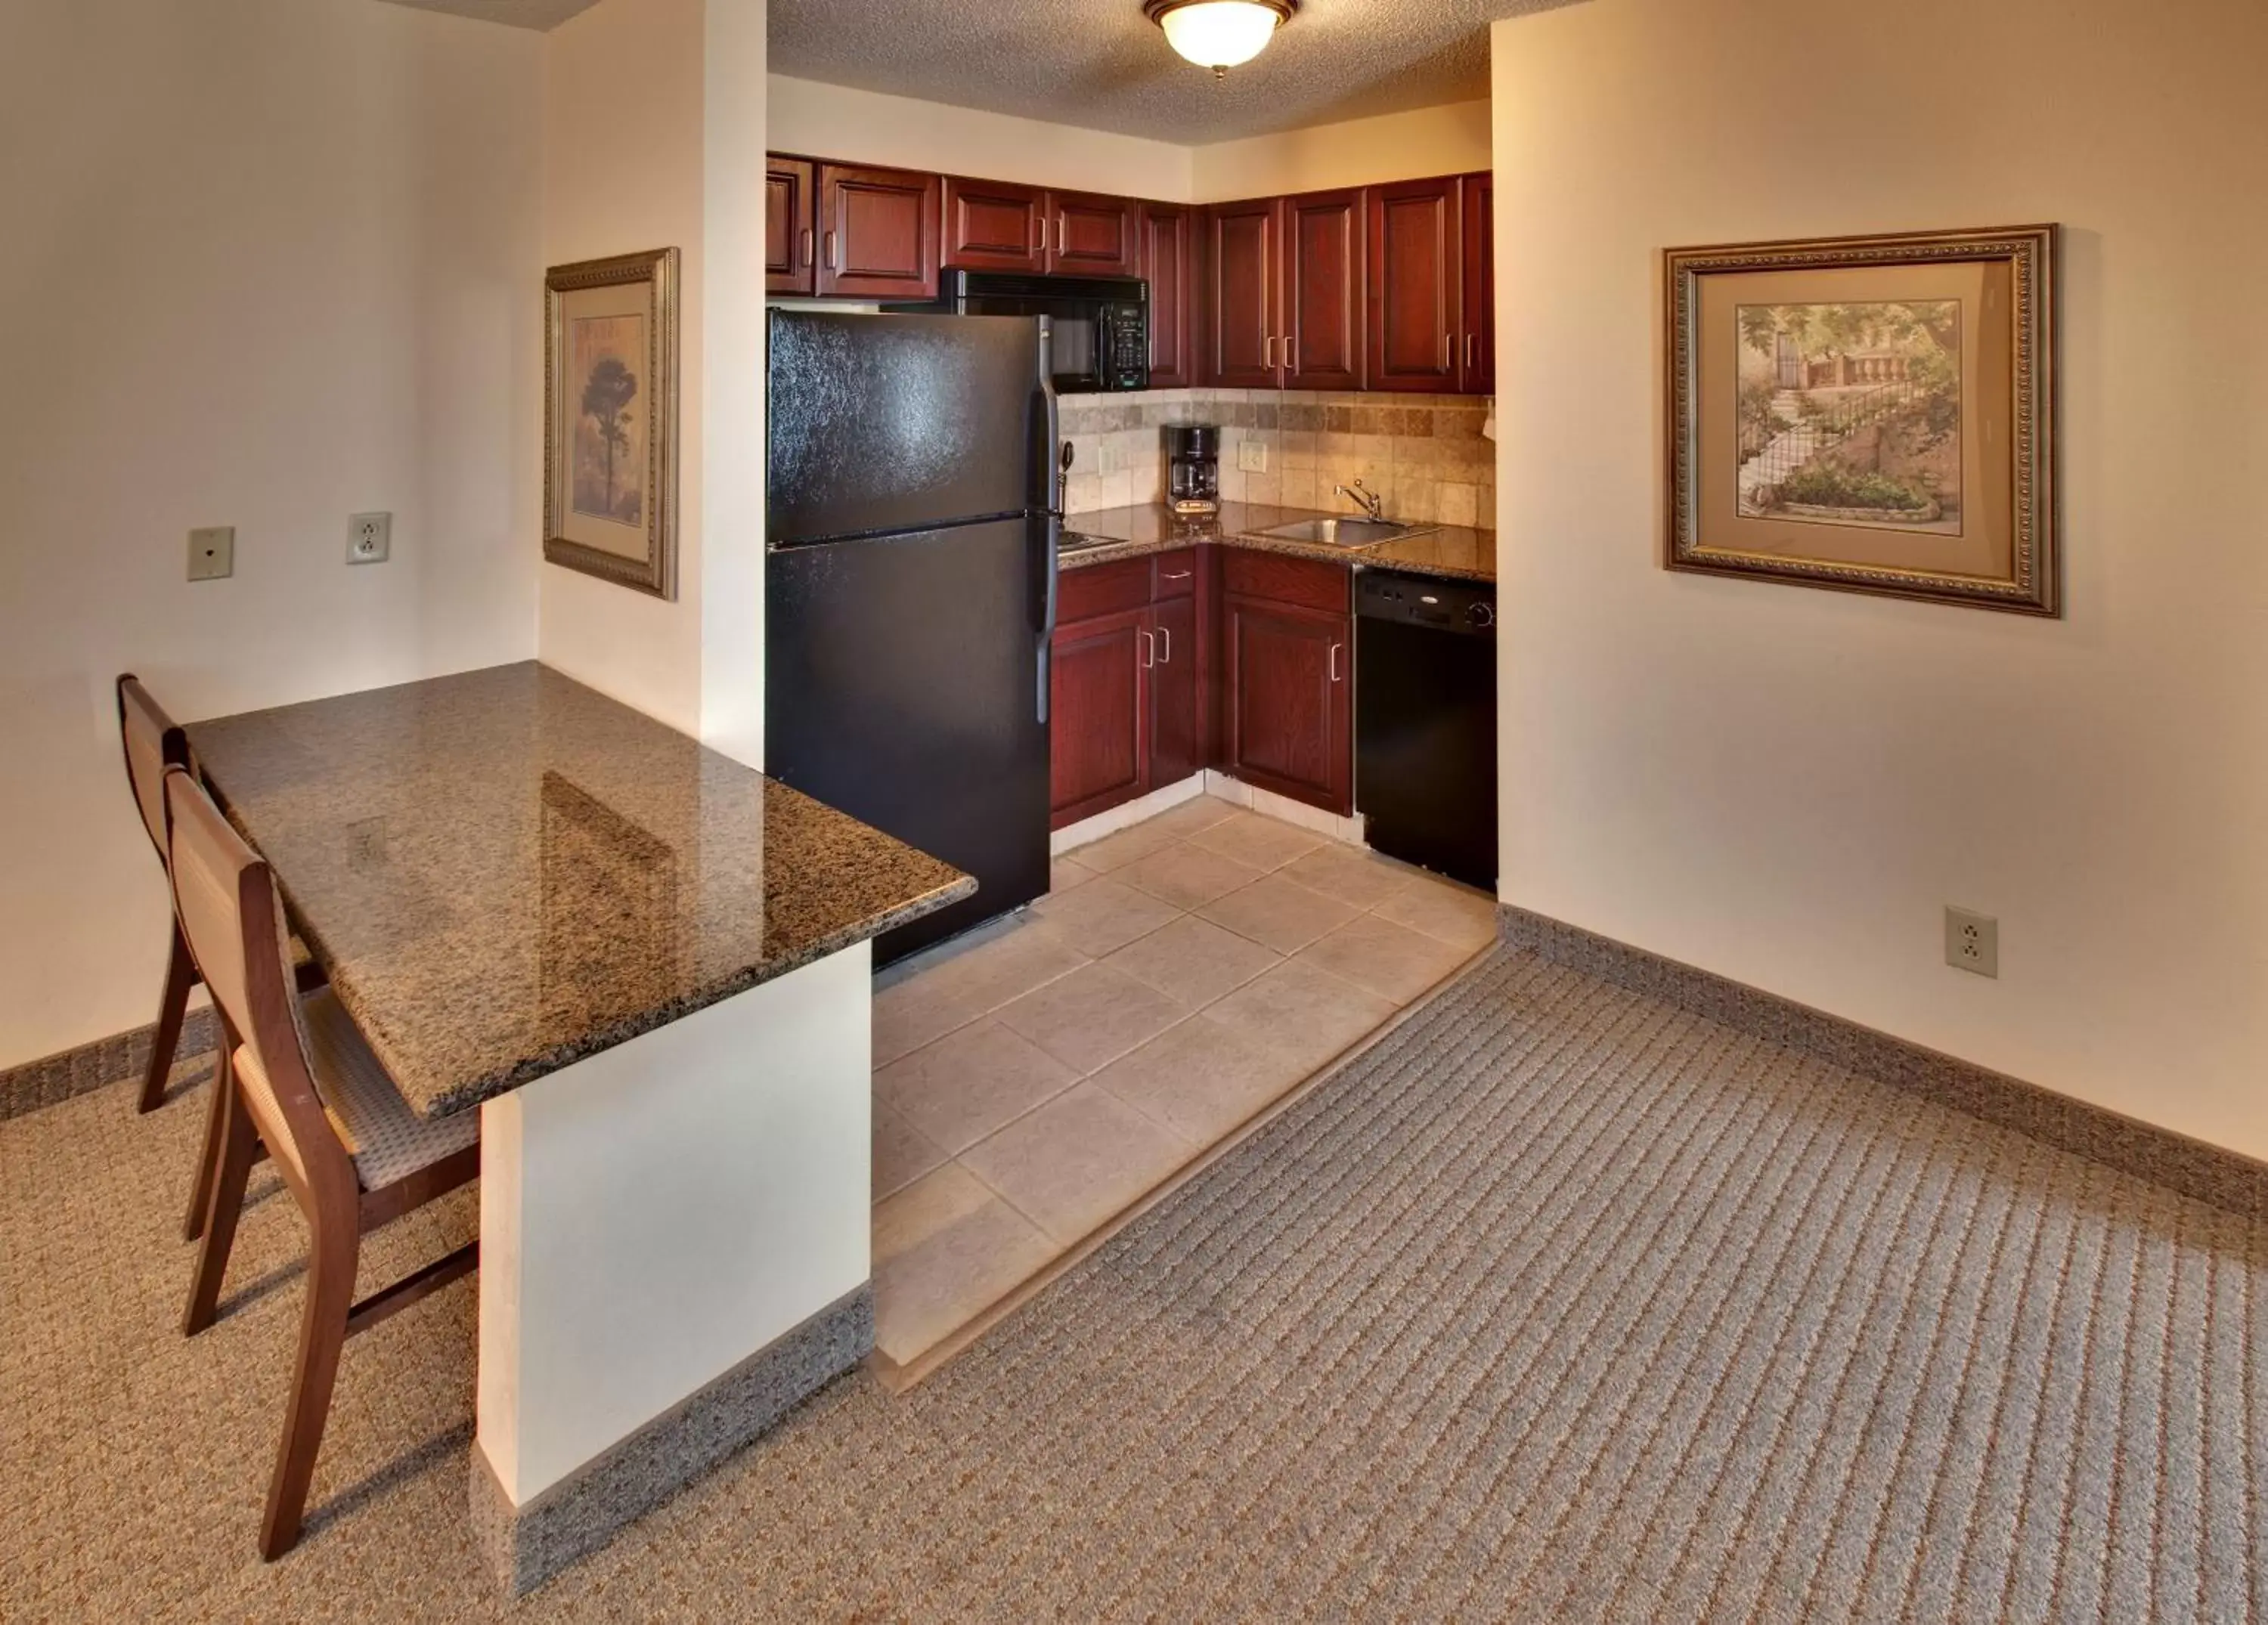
[(1416, 286), (1322, 337), (1242, 276), (791, 238), (995, 225), (1287, 671), (1098, 730), (878, 233), (1092, 234), (1167, 235), (1476, 372)]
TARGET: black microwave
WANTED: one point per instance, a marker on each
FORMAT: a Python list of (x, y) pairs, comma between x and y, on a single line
[(1100, 324)]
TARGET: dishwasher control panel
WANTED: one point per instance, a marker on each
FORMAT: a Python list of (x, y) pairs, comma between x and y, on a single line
[(1421, 600)]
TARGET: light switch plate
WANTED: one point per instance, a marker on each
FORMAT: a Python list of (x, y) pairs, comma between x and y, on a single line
[(212, 552), (369, 537)]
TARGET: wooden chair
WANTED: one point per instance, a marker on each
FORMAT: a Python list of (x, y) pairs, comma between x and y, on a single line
[(151, 743), (304, 1084)]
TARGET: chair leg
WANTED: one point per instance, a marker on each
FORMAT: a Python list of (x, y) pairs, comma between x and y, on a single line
[(181, 976), (224, 1087), (322, 1332), (231, 1168)]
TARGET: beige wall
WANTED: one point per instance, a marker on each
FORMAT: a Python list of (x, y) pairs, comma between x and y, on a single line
[(1396, 146), (269, 262), (864, 127), (1787, 786)]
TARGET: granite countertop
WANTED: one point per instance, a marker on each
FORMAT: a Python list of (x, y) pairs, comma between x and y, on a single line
[(504, 871), (1456, 551)]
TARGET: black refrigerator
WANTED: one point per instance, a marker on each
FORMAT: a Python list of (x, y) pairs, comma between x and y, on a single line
[(913, 506)]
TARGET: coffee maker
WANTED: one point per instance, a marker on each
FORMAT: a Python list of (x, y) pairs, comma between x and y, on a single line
[(1193, 467)]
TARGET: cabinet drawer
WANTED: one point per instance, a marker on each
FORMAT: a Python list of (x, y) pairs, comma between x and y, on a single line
[(1099, 588), (1309, 583), (1174, 575)]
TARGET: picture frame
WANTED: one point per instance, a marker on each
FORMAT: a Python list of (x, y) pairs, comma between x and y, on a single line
[(610, 419), (1871, 414)]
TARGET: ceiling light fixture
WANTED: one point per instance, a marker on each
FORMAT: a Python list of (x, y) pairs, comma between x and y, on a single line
[(1219, 35)]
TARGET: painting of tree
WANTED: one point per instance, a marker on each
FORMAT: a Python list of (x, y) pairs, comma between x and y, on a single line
[(609, 437)]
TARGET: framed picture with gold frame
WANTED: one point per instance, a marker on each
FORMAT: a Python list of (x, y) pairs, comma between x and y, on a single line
[(1872, 414), (610, 419)]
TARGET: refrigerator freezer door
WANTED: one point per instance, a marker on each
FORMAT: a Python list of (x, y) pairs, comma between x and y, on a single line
[(899, 673), (882, 423)]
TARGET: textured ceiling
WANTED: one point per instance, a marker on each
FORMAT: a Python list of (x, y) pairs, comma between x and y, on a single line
[(1100, 64), (516, 13)]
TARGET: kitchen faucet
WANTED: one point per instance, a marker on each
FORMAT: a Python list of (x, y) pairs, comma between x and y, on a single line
[(1370, 502)]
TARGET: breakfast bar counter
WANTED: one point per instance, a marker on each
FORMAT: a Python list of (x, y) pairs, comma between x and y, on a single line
[(649, 968)]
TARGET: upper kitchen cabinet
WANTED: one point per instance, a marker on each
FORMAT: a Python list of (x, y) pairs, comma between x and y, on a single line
[(1166, 237), (1322, 305), (878, 234), (1477, 355), (791, 245), (1090, 234), (995, 225), (1242, 270), (1417, 274)]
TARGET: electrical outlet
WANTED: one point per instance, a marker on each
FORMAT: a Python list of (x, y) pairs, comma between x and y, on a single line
[(212, 552), (369, 537), (1252, 456), (1973, 941)]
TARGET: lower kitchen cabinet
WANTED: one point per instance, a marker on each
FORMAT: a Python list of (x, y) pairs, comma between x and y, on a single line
[(1176, 744), (1290, 672), (1098, 734)]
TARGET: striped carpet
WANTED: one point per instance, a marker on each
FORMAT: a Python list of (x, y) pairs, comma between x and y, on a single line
[(1560, 1305)]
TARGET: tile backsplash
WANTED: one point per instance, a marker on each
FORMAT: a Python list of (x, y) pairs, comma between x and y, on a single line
[(1424, 454)]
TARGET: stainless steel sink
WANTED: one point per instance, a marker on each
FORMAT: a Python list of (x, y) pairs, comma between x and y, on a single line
[(1348, 532)]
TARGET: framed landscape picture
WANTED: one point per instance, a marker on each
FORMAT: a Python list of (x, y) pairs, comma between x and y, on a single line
[(610, 419), (1875, 414)]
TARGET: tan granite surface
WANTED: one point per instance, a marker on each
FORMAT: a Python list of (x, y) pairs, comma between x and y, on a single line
[(504, 871), (1456, 551)]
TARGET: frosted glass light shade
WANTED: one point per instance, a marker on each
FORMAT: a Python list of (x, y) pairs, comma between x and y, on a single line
[(1220, 34)]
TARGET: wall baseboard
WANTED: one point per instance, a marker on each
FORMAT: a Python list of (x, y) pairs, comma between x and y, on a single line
[(2209, 1173), (69, 1073)]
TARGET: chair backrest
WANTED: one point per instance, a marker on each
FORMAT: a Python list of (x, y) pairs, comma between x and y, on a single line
[(153, 744), (232, 917)]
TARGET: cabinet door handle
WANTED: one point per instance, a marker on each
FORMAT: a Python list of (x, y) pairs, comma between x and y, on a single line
[(1174, 575), (1063, 235), (804, 249), (1472, 352), (1448, 351), (1165, 645), (1149, 650), (1268, 354), (1335, 660), (834, 258)]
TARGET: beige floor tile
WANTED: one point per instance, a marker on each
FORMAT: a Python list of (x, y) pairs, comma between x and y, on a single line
[(969, 1082), (1091, 1017), (1184, 818), (902, 1154), (981, 1250), (1279, 914), (1007, 968), (1077, 1160), (912, 1013), (1255, 838), (1305, 1012), (1063, 873), (1201, 1079), (1186, 876), (1194, 960), (1349, 874), (1452, 913), (911, 1216), (1103, 915), (1390, 960), (1115, 851)]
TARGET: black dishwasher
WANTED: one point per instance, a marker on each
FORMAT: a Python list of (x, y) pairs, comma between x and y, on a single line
[(1425, 728)]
